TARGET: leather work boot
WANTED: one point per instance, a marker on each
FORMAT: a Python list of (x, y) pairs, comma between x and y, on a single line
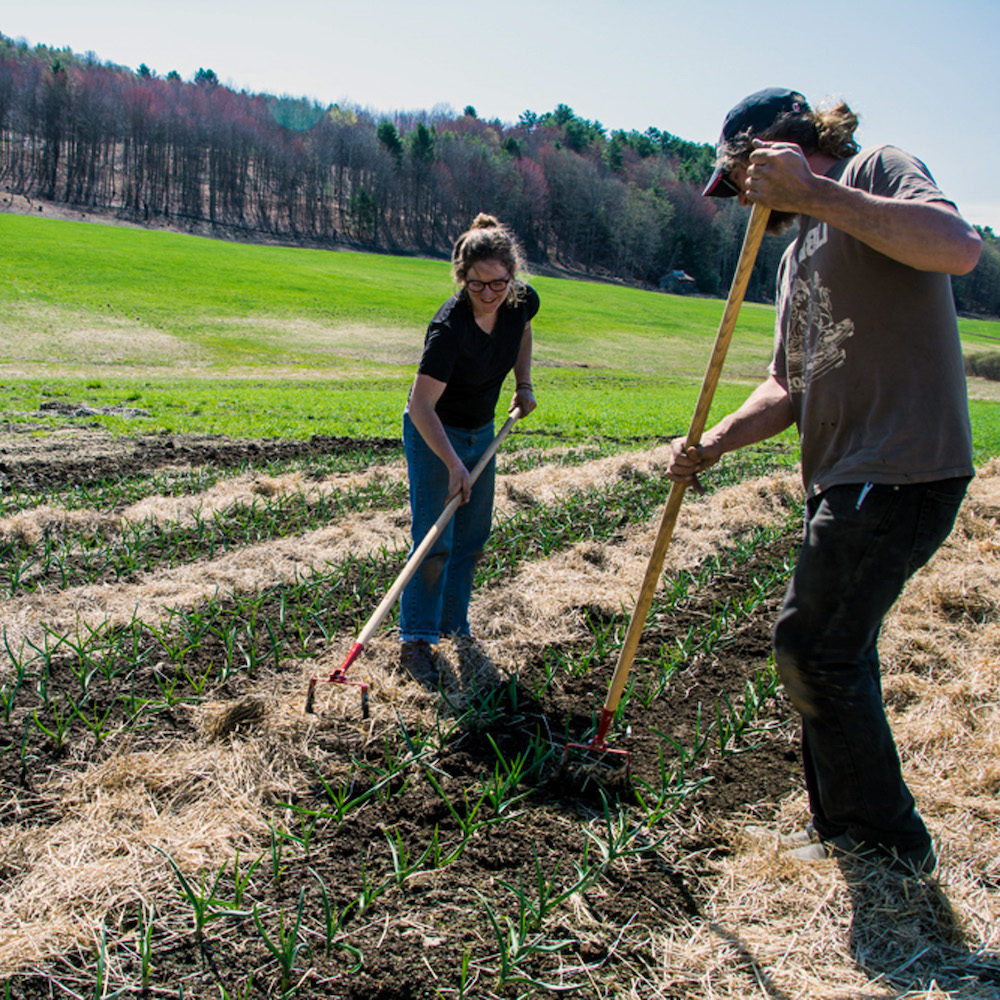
[(417, 660)]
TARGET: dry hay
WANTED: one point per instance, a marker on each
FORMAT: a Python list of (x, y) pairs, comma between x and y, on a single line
[(778, 927), (201, 801), (464, 666), (242, 491), (198, 801), (246, 570), (29, 527), (546, 601), (771, 927), (150, 596), (547, 482)]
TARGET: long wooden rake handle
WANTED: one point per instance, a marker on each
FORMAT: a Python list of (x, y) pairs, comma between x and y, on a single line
[(412, 565), (748, 254)]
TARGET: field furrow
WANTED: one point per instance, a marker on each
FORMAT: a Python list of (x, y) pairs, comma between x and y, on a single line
[(166, 801)]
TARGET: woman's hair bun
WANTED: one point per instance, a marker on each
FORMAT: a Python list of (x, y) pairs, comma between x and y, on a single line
[(488, 239)]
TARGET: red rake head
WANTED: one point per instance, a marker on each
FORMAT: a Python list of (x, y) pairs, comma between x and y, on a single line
[(339, 676), (601, 750), (311, 692), (599, 744)]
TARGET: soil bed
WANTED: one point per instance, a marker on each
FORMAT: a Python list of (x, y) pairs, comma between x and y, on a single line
[(80, 457), (383, 879)]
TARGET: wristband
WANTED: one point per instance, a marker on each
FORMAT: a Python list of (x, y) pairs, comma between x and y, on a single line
[(525, 385)]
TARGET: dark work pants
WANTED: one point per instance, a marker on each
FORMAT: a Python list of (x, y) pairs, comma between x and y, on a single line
[(861, 544)]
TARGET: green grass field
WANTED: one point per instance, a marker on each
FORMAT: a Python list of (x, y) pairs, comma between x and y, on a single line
[(239, 305), (218, 337)]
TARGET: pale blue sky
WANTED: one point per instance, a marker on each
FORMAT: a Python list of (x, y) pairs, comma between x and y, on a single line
[(922, 75)]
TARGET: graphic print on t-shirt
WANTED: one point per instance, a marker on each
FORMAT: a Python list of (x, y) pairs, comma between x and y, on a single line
[(811, 322)]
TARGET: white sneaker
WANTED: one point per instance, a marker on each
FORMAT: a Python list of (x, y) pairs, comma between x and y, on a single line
[(796, 839)]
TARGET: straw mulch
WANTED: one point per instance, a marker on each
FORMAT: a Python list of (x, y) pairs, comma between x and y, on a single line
[(831, 930), (771, 928)]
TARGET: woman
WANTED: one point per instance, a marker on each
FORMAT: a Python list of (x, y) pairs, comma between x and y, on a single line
[(477, 337)]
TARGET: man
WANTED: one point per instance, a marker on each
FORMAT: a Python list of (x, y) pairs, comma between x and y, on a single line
[(867, 365)]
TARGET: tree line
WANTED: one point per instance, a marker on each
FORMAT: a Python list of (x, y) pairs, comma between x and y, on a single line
[(619, 204)]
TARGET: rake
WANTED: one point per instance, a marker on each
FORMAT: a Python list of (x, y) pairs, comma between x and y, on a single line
[(748, 254), (339, 676)]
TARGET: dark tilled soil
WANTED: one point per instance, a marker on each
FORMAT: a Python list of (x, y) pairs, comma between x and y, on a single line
[(412, 940), (83, 458)]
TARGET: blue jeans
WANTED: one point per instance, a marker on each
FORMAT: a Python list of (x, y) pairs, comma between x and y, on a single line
[(436, 601), (861, 545)]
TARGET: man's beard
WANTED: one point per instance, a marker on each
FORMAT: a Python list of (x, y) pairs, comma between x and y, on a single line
[(781, 222)]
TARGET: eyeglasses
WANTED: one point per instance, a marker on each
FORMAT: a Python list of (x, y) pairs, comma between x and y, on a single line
[(495, 286)]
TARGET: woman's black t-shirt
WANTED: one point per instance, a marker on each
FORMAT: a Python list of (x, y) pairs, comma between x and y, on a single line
[(472, 363)]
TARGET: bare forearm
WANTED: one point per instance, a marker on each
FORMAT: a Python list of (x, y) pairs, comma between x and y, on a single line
[(926, 236), (522, 366), (766, 412), (524, 393)]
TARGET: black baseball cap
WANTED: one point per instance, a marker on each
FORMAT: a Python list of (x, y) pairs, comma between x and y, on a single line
[(753, 115)]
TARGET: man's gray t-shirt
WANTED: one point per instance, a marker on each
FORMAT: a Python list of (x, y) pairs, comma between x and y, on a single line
[(869, 347)]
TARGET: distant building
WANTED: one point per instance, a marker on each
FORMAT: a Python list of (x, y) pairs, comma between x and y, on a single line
[(678, 283)]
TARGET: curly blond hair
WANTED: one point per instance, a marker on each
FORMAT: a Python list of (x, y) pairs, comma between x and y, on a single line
[(829, 129)]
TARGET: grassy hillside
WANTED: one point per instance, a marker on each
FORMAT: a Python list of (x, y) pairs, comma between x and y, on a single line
[(242, 339), (238, 304)]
